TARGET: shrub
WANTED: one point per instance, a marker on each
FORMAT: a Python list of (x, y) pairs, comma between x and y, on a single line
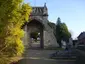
[(13, 14)]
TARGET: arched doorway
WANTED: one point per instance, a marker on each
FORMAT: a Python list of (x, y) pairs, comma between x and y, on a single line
[(35, 34)]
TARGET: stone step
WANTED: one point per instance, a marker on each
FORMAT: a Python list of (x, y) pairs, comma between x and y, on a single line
[(64, 58)]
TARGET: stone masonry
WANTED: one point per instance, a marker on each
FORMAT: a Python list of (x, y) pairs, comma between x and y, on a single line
[(40, 15)]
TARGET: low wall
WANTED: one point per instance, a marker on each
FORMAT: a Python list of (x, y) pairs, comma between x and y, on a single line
[(80, 59)]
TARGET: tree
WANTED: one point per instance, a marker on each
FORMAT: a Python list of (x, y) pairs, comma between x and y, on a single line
[(58, 21), (13, 14), (34, 35), (62, 32), (65, 33)]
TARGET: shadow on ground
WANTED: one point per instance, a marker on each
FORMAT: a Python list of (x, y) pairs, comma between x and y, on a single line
[(45, 61)]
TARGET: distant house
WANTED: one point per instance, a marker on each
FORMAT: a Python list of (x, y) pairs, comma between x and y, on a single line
[(81, 38)]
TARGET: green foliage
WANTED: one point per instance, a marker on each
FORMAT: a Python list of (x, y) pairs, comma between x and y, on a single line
[(62, 32), (58, 21), (13, 14), (34, 35), (4, 60)]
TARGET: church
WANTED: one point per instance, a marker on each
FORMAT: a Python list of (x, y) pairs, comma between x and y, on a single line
[(38, 33)]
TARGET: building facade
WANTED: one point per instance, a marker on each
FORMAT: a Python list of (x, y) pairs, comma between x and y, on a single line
[(39, 23)]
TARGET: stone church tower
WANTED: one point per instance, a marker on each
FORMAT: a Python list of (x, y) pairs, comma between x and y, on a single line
[(39, 23)]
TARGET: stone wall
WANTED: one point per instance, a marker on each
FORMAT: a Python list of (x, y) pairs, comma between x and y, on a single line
[(80, 59)]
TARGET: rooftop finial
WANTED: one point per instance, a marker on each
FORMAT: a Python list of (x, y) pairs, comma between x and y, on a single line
[(45, 4)]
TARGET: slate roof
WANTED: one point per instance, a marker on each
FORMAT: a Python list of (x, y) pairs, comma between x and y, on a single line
[(82, 35), (38, 11)]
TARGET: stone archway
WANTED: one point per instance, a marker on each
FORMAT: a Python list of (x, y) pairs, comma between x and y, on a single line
[(39, 23), (34, 26)]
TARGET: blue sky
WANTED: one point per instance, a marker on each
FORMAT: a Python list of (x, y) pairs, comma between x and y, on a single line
[(72, 12)]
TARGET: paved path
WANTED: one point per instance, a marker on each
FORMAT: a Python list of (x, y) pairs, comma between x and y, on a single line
[(39, 53), (42, 57)]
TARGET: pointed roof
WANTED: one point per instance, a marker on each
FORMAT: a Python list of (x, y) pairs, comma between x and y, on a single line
[(82, 35), (39, 11)]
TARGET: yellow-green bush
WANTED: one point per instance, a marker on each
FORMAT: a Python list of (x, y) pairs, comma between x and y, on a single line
[(13, 14)]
